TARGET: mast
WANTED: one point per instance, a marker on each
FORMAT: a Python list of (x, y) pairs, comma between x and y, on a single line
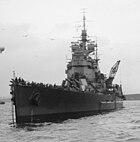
[(96, 50), (84, 21), (84, 32)]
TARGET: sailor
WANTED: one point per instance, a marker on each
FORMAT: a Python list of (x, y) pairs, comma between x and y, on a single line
[(63, 83)]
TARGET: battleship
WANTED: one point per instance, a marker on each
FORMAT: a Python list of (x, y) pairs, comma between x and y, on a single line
[(85, 91)]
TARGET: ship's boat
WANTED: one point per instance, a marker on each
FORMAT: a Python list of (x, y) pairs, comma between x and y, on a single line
[(2, 102), (85, 91)]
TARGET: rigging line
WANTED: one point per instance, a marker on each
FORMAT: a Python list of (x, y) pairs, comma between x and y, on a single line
[(12, 105)]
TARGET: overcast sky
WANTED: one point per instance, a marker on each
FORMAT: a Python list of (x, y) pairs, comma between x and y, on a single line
[(36, 35)]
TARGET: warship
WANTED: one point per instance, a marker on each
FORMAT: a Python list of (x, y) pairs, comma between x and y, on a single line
[(85, 90)]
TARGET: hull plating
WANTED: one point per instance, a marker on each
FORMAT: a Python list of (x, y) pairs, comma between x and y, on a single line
[(52, 104)]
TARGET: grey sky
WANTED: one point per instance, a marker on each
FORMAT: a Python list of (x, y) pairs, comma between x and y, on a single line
[(27, 28)]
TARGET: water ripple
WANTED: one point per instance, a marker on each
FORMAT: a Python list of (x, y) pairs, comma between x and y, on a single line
[(117, 126)]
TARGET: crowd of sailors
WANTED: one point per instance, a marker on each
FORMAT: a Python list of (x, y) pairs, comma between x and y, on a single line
[(73, 85), (21, 81)]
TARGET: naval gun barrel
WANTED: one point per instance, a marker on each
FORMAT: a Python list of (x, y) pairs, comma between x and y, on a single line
[(72, 84)]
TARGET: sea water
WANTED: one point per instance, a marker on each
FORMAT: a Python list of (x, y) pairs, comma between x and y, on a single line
[(118, 126)]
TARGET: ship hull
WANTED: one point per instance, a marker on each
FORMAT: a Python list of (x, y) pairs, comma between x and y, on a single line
[(47, 104)]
